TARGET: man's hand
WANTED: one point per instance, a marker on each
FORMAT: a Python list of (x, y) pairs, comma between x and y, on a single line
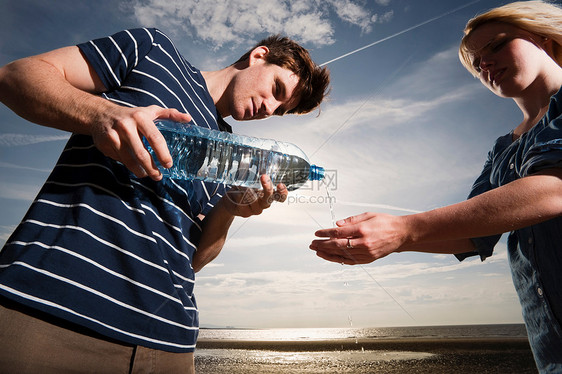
[(246, 202), (120, 138)]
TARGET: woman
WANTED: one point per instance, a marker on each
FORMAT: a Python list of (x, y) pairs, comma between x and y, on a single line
[(516, 51)]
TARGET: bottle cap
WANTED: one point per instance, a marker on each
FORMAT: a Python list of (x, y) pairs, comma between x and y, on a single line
[(316, 173)]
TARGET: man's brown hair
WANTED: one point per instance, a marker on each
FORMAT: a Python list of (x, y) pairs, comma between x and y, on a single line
[(313, 79)]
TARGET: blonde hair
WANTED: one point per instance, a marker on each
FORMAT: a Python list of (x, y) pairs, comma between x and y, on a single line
[(537, 17)]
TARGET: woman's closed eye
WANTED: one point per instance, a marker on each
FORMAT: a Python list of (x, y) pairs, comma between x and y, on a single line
[(492, 47)]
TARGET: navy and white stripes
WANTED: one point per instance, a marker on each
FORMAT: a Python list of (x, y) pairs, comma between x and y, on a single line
[(101, 248)]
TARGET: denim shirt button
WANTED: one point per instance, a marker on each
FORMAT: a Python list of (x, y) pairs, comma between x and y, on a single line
[(530, 241), (511, 166), (539, 291)]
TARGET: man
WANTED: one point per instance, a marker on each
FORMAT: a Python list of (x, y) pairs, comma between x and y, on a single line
[(100, 273)]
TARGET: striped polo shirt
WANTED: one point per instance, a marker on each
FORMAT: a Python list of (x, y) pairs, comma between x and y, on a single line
[(102, 248)]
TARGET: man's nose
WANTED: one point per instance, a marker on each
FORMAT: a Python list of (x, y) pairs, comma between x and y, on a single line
[(269, 107)]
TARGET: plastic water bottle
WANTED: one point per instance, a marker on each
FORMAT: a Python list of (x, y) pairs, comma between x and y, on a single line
[(236, 160)]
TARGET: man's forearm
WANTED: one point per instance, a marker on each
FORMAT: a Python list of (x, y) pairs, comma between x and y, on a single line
[(215, 230), (40, 92)]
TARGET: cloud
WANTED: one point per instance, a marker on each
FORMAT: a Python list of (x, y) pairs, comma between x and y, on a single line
[(327, 294), (5, 232), (16, 191), (353, 13), (329, 273), (14, 140), (385, 17), (381, 111), (238, 21), (214, 265), (385, 134), (265, 240)]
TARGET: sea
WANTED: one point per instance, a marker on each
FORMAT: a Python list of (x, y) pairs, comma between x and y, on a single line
[(497, 348), (308, 334)]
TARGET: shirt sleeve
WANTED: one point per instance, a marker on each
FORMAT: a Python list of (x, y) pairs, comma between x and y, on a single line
[(484, 246), (115, 56), (544, 149)]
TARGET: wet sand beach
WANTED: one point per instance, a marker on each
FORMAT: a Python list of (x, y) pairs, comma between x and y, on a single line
[(401, 355)]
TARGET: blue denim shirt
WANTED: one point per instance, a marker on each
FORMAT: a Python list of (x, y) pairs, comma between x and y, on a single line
[(535, 252)]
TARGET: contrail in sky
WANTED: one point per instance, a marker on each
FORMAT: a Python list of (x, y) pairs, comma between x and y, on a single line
[(401, 32), (378, 206)]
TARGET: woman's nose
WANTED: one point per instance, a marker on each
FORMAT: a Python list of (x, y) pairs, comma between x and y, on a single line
[(485, 63)]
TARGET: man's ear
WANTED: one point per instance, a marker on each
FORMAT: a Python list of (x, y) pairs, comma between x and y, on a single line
[(258, 55)]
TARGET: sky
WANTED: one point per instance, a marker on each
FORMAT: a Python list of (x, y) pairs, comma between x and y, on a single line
[(405, 129)]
